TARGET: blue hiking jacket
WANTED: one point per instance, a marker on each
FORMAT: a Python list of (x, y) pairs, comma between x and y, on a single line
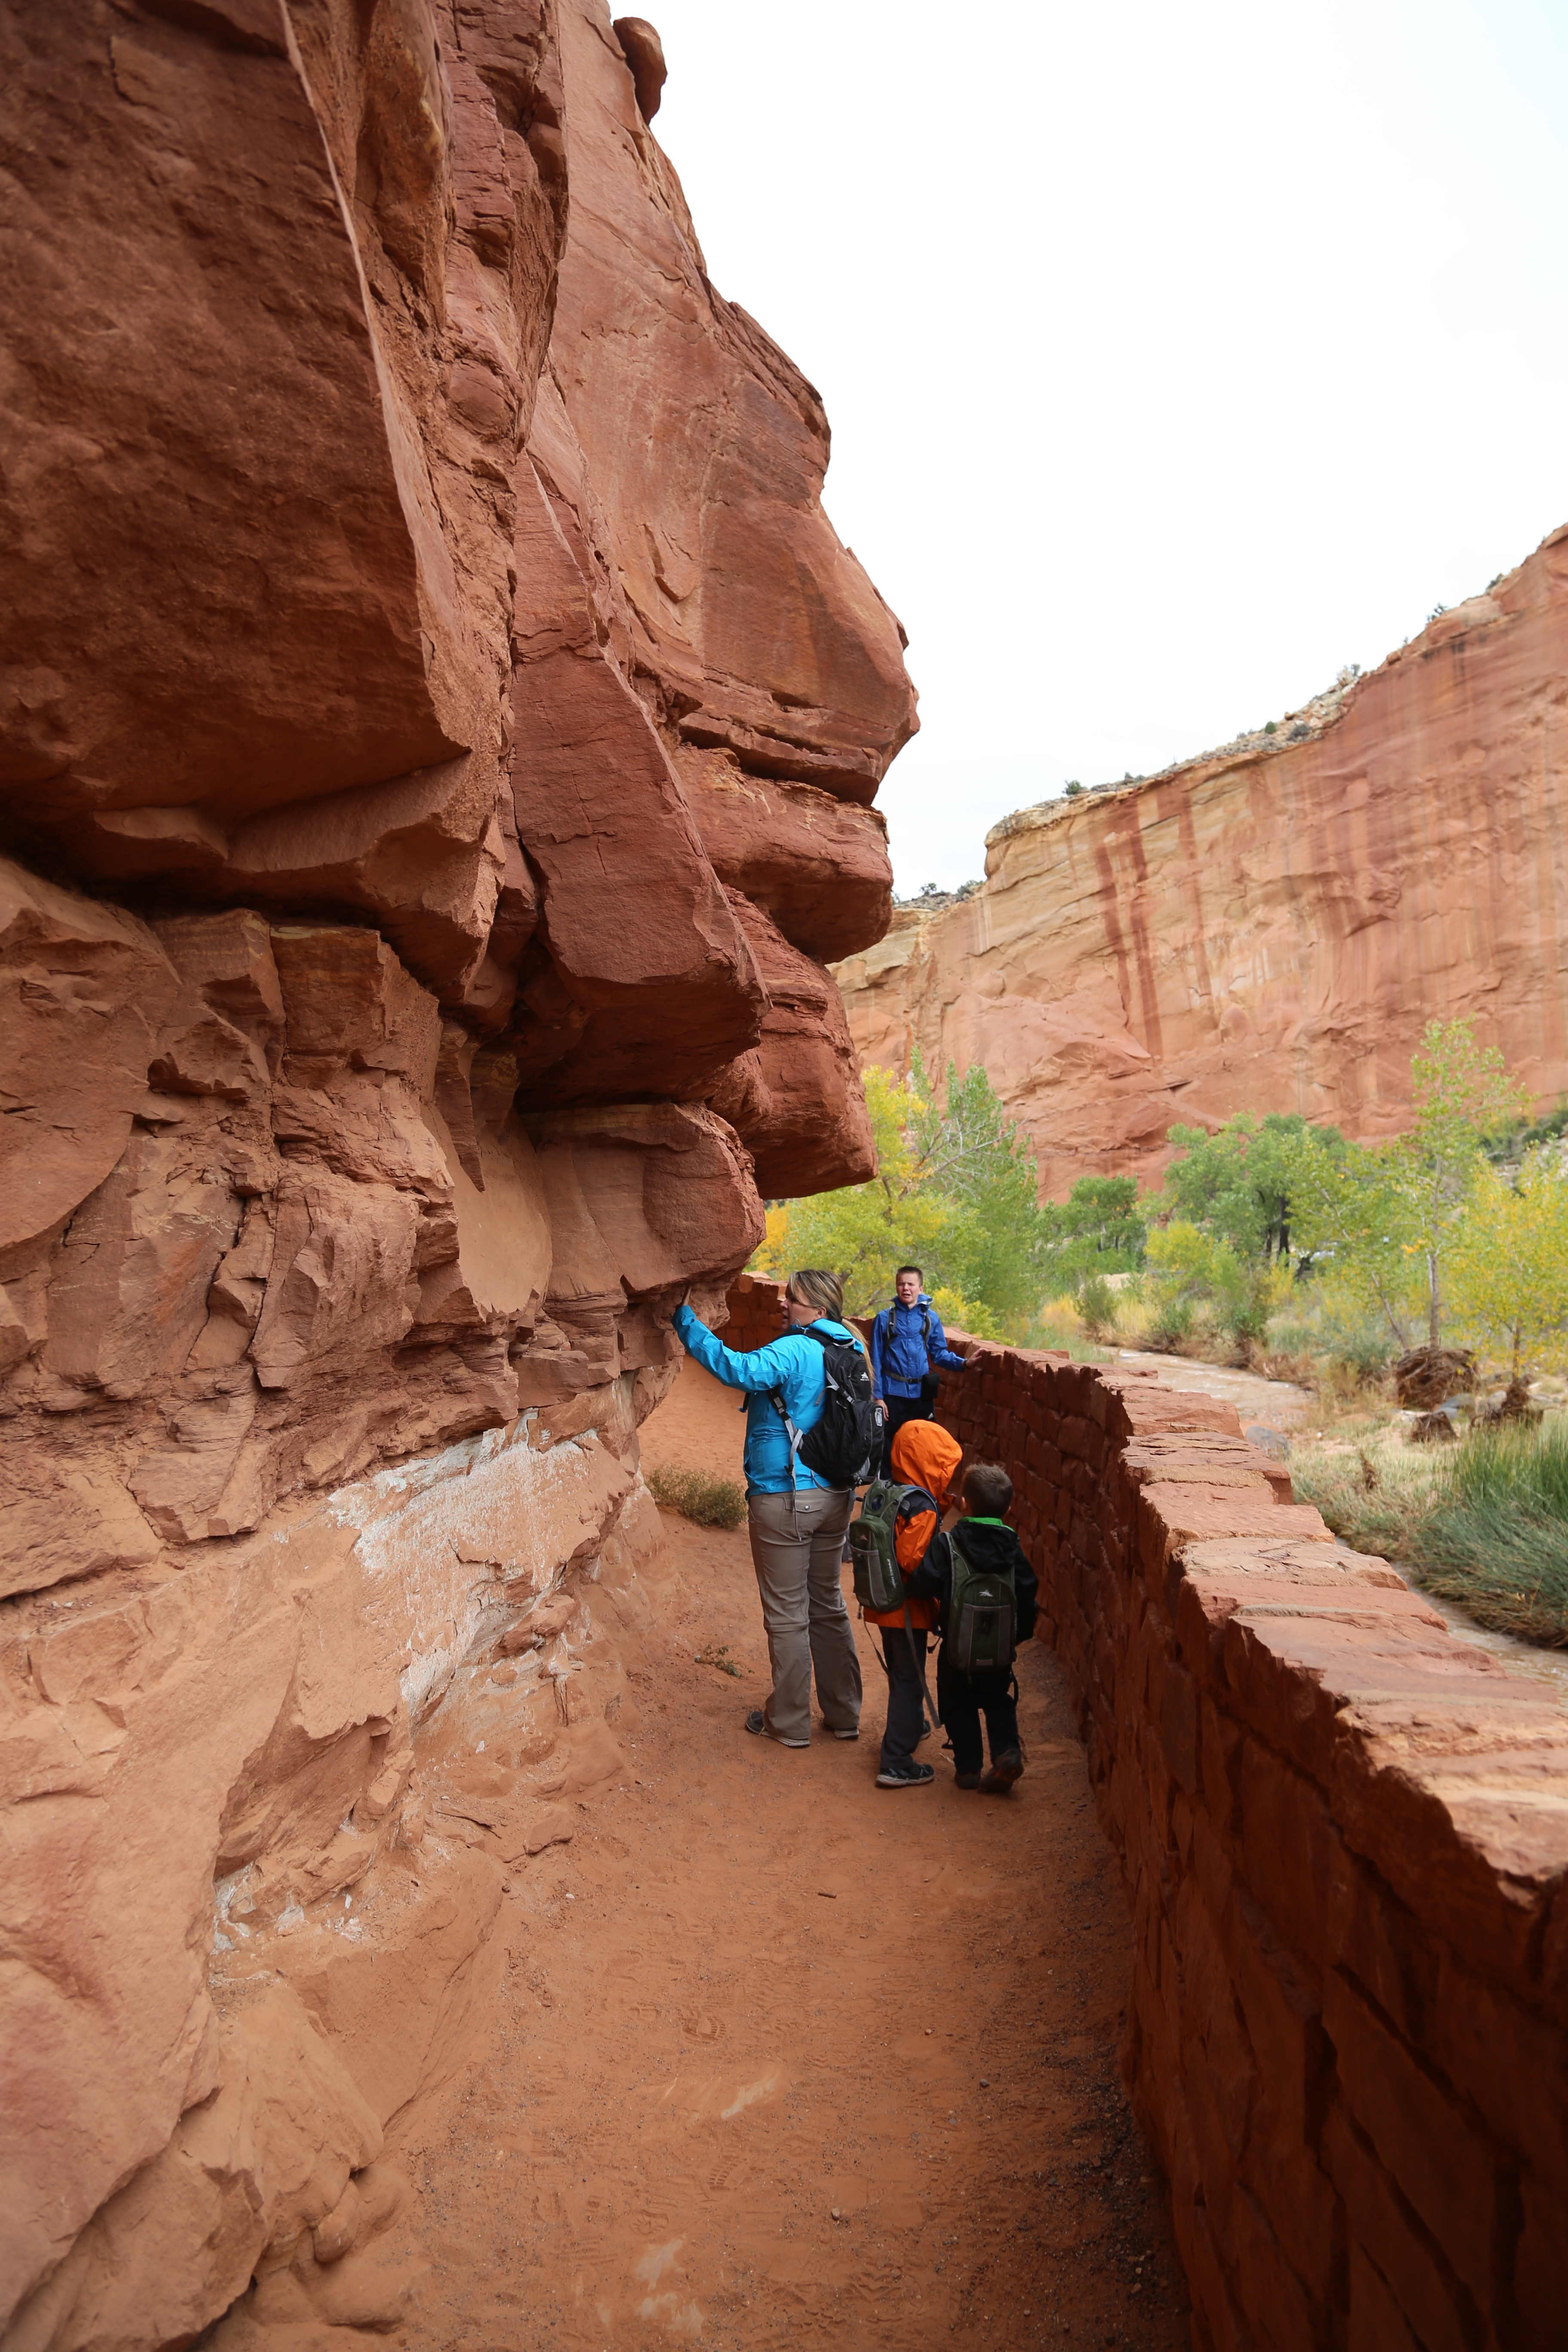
[(792, 1363), (898, 1333)]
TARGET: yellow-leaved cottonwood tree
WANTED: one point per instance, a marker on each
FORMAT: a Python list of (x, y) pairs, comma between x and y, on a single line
[(1506, 1268)]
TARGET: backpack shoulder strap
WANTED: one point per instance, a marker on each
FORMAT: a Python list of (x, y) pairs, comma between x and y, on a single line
[(923, 1493)]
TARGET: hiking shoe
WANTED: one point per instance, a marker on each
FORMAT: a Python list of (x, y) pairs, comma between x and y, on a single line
[(966, 1779), (905, 1776), (758, 1722), (1005, 1769)]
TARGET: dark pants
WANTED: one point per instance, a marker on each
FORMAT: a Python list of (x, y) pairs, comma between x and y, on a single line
[(905, 1693), (899, 1410), (963, 1699)]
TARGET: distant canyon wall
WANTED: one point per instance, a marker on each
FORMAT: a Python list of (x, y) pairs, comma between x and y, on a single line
[(439, 731), (1269, 929)]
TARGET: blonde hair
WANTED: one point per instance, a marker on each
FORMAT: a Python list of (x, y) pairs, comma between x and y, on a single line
[(813, 1285)]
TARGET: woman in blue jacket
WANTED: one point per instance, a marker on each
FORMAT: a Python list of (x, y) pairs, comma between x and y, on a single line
[(796, 1528)]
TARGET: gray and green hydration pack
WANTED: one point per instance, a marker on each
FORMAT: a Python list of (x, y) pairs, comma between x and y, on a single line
[(873, 1552), (982, 1615), (873, 1556)]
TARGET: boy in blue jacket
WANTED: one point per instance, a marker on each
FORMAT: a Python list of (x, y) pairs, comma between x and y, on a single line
[(908, 1346)]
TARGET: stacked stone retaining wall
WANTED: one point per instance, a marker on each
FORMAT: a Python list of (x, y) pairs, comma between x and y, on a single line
[(1345, 1838)]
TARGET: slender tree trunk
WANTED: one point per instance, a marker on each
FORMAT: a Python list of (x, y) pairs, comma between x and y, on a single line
[(1436, 1302)]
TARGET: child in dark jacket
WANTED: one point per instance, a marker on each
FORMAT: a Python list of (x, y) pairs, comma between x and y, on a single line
[(962, 1699)]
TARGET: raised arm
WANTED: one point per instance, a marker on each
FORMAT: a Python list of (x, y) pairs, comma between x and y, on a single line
[(762, 1368)]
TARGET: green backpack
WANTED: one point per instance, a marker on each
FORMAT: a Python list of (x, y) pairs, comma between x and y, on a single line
[(878, 1578), (982, 1616)]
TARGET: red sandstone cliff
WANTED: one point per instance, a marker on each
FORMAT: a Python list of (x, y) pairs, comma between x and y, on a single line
[(1270, 928), (438, 730)]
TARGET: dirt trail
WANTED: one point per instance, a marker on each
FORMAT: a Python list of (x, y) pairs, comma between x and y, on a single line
[(782, 2058)]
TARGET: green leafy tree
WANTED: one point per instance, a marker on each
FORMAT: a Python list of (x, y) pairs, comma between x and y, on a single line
[(1387, 1214), (1193, 1268), (1508, 1265), (1098, 1231), (1236, 1184), (956, 1192), (975, 1157), (863, 1232), (1351, 1211)]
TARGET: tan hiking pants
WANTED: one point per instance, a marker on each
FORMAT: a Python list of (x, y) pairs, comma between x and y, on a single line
[(796, 1546)]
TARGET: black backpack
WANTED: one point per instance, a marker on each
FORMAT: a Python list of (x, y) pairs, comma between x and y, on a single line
[(839, 1449)]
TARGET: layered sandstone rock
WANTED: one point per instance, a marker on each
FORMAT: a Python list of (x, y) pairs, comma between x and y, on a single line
[(1270, 930), (438, 730)]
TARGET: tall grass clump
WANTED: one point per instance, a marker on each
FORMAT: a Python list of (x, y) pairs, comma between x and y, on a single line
[(1495, 1541), (698, 1495), (1375, 1496), (1484, 1524)]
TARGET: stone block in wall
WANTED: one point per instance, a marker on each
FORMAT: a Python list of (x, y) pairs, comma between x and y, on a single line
[(1507, 2062), (1281, 2001), (1220, 1741), (1145, 1413), (1538, 2264), (1178, 1721), (1375, 2322), (1483, 1812), (1269, 2283), (1293, 1855), (1300, 2200), (1170, 1518), (1215, 2156), (1426, 2291), (1426, 2144), (1385, 1946), (1211, 2287), (1291, 1674), (1073, 1438), (1203, 1458)]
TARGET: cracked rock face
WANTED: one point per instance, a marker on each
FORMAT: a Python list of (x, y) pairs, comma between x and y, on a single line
[(438, 726)]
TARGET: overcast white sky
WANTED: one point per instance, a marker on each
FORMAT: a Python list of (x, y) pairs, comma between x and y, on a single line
[(1175, 356)]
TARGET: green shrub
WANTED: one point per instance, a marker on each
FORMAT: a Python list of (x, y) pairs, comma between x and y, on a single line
[(1170, 1323), (1097, 1306), (698, 1495), (1375, 1495)]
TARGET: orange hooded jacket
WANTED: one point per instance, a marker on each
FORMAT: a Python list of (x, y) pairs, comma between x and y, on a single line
[(924, 1455)]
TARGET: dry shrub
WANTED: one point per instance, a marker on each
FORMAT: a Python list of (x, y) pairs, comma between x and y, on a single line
[(699, 1496)]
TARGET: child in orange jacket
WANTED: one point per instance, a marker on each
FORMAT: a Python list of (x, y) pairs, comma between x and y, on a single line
[(924, 1458)]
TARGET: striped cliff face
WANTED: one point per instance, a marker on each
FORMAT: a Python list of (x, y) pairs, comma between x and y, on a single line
[(1271, 927)]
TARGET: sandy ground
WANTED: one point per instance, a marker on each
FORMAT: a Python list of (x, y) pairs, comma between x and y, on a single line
[(784, 2059)]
